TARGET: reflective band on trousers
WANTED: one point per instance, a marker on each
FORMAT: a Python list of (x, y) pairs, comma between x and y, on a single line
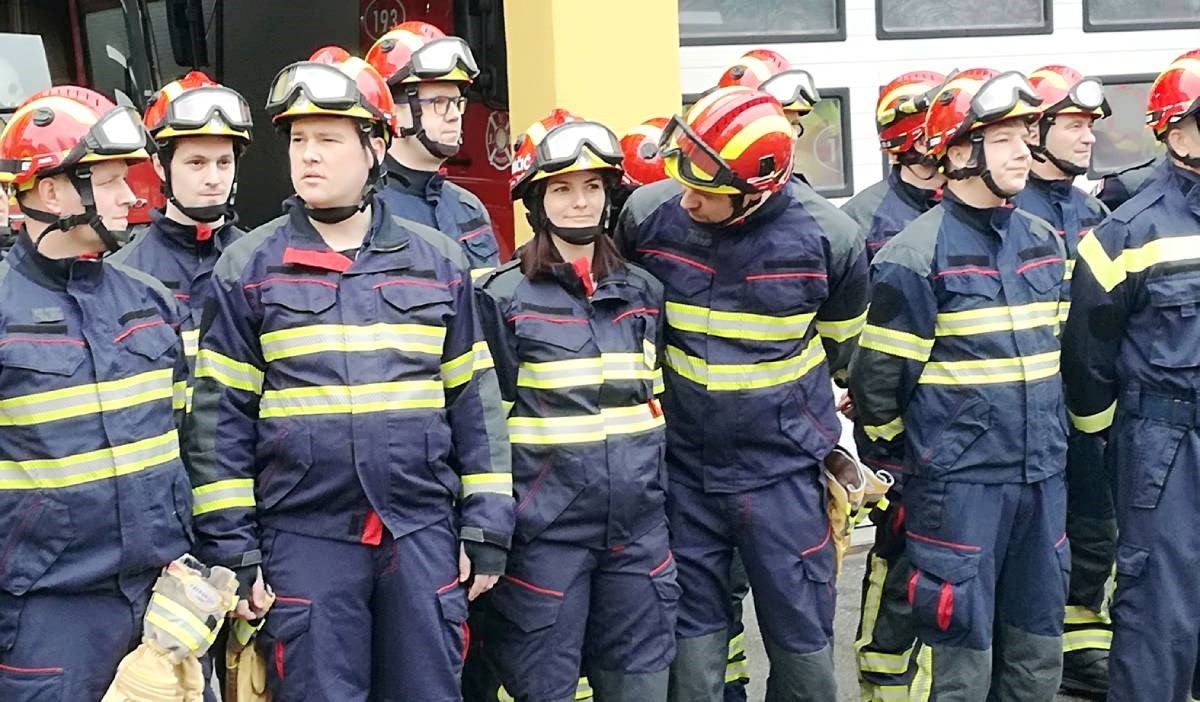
[(228, 372), (224, 494), (995, 319), (583, 428), (49, 473), (737, 325), (579, 372), (343, 338), (991, 370), (90, 398), (749, 376), (1085, 639), (887, 432), (352, 399)]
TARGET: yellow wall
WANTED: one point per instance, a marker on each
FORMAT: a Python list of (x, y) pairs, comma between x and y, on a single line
[(613, 61)]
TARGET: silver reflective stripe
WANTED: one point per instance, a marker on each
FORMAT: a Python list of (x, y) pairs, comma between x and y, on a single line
[(749, 376), (342, 338), (352, 399), (92, 398), (584, 428), (737, 325), (191, 342), (992, 370), (47, 473)]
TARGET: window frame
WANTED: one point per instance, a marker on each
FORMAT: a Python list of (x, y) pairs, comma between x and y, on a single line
[(742, 38), (1119, 79), (1047, 27), (1091, 27)]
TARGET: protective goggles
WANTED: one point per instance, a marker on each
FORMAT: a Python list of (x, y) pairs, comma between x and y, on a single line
[(118, 132), (563, 145), (197, 107), (791, 87), (441, 56), (696, 162), (1001, 95), (909, 105), (322, 84), (1088, 94)]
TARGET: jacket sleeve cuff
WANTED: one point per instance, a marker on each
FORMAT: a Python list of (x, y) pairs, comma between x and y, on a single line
[(486, 559), (469, 534)]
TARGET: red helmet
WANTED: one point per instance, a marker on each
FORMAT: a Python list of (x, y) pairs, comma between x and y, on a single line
[(770, 72), (900, 112), (734, 141), (196, 105), (973, 99), (332, 82), (1065, 91), (643, 162), (417, 52), (562, 143), (1175, 93), (63, 127)]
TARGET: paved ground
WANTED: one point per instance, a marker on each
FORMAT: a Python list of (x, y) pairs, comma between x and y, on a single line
[(845, 623)]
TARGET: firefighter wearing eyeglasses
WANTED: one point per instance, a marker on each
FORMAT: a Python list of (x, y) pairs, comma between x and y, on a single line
[(94, 498), (1130, 363), (346, 440), (1062, 149), (960, 361), (428, 73)]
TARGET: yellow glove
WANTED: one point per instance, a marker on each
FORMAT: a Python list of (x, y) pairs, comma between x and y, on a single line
[(245, 668), (150, 674), (853, 492)]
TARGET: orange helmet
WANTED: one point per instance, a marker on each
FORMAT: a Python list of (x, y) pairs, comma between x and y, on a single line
[(332, 82), (643, 162), (196, 105), (976, 98), (1175, 94), (900, 111), (64, 128), (562, 143), (418, 52), (734, 141), (770, 72)]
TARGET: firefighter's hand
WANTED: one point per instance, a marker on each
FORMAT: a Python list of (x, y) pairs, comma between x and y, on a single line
[(846, 406), (480, 583), (253, 607)]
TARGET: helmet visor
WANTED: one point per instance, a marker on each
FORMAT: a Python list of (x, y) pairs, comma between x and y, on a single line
[(696, 163), (1001, 95), (1088, 94), (441, 56), (792, 87), (118, 132), (323, 85), (564, 144), (196, 108)]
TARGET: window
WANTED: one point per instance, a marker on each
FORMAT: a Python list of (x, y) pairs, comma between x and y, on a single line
[(1123, 140), (1127, 15), (907, 19), (761, 21), (823, 149)]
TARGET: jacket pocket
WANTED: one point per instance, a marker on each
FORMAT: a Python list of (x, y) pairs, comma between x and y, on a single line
[(681, 271), (814, 432), (1044, 273), (1177, 334), (31, 684), (285, 644), (480, 248), (33, 534), (543, 497), (286, 457), (526, 605), (943, 587), (295, 302), (545, 335), (968, 419), (150, 339), (54, 358)]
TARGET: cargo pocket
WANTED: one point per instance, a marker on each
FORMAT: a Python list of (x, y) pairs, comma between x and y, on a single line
[(452, 603), (286, 647), (1132, 562), (31, 684), (943, 584), (1155, 445), (1174, 339), (664, 578), (1062, 550), (525, 605), (32, 537)]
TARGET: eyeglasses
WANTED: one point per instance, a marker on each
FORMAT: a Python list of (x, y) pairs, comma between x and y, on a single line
[(441, 104)]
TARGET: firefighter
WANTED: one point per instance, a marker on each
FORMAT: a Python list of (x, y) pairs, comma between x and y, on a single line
[(1130, 364), (344, 400), (642, 164), (574, 332), (960, 358), (201, 130), (762, 305), (428, 73), (1061, 150), (94, 499), (885, 638)]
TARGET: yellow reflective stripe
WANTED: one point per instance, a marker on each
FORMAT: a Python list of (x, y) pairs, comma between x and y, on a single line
[(342, 338), (883, 693), (574, 429), (228, 372), (1064, 311), (89, 398), (737, 645), (352, 399), (507, 406), (80, 468), (1110, 273), (179, 622), (922, 682), (737, 325), (1076, 614), (842, 330), (991, 370), (503, 696), (191, 342), (1093, 423), (886, 432), (750, 376), (1100, 639), (1070, 269), (223, 494), (477, 273), (895, 343), (871, 604), (583, 689), (477, 483), (994, 319), (179, 395), (659, 386), (737, 670), (459, 371), (578, 372)]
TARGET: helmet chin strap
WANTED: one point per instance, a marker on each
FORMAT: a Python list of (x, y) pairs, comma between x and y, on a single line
[(208, 213), (1042, 154), (1189, 161), (333, 215), (539, 221), (81, 180), (435, 148), (977, 166)]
